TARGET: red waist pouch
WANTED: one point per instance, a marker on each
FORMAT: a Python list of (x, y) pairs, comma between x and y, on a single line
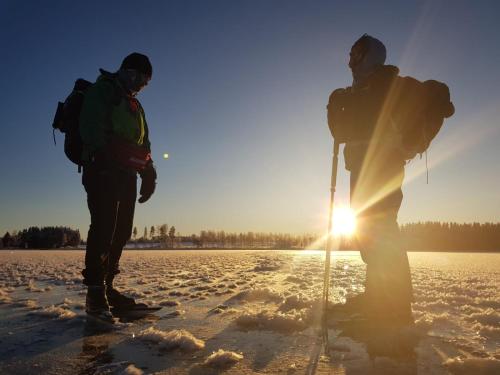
[(128, 155)]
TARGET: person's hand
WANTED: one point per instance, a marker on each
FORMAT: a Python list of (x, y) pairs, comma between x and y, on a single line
[(148, 183)]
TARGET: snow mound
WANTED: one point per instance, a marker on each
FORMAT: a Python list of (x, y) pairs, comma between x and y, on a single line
[(118, 368), (428, 320), (177, 338), (263, 267), (295, 302), (222, 359), (33, 288), (275, 321), (55, 312), (476, 366), (67, 303), (4, 297), (29, 304)]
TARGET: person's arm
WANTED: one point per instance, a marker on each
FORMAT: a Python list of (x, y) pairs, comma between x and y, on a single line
[(146, 143), (338, 119)]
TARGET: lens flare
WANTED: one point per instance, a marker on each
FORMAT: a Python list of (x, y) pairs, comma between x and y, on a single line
[(344, 221)]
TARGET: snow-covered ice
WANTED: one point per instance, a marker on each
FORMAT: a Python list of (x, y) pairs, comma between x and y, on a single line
[(243, 312)]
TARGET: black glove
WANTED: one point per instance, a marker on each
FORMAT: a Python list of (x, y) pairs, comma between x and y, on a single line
[(148, 183)]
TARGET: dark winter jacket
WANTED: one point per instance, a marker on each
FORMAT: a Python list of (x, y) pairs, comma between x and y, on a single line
[(108, 111), (359, 117)]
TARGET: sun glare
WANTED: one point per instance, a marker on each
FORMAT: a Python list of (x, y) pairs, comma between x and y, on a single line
[(344, 221)]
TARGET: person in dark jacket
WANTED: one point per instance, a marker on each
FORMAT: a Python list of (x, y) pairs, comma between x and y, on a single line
[(116, 148), (358, 116)]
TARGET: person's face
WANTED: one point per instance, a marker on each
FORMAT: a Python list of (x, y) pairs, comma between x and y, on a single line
[(356, 55), (138, 80)]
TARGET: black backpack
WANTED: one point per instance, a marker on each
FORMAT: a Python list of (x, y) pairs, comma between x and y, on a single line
[(416, 109), (418, 112), (66, 120)]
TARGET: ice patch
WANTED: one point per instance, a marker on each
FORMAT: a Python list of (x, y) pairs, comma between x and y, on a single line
[(177, 338), (174, 314), (260, 294), (488, 317), (222, 359), (476, 366), (487, 331)]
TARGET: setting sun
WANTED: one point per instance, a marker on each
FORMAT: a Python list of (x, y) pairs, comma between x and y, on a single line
[(344, 221)]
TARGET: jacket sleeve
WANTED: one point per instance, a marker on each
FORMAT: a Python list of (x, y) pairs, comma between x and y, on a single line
[(338, 121), (146, 143), (95, 117)]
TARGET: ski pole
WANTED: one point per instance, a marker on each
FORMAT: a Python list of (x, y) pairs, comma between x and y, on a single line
[(329, 244)]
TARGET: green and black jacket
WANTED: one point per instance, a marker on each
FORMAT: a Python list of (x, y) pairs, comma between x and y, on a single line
[(108, 111)]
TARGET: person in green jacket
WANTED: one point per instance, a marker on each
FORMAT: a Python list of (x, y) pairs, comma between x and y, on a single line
[(116, 148)]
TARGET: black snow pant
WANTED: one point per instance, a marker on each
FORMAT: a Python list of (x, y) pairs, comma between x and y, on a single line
[(376, 196), (111, 195)]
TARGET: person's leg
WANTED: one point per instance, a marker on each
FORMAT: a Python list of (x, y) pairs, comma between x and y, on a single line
[(388, 279), (122, 233), (377, 196), (102, 203)]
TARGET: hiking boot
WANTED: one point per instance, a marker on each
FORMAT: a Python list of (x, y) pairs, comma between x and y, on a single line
[(119, 301), (353, 305), (96, 304)]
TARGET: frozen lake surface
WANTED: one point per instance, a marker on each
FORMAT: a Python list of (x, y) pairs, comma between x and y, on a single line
[(243, 312)]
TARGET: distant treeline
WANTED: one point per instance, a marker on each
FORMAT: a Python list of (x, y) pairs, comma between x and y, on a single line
[(427, 236), (42, 238), (437, 236), (248, 240)]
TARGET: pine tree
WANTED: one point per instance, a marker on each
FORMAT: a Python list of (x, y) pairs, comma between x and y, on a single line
[(171, 234), (163, 232)]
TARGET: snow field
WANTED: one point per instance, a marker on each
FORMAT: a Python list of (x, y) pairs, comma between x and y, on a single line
[(214, 300)]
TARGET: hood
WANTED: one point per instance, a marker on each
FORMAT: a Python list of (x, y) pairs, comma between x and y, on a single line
[(373, 58)]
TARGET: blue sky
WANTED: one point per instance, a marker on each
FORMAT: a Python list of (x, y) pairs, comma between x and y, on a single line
[(238, 101)]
